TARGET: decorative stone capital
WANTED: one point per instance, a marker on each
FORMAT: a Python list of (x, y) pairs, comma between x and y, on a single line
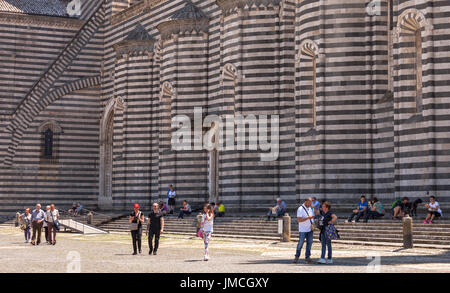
[(230, 6), (171, 28), (188, 19), (138, 42), (134, 48)]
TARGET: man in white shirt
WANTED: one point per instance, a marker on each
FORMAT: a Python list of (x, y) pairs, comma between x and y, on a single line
[(51, 217), (305, 217)]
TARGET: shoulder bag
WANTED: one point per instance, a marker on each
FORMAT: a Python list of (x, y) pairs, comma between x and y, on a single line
[(134, 226), (55, 222), (313, 227)]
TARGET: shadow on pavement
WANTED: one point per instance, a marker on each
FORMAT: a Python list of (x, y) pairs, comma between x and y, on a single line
[(364, 261)]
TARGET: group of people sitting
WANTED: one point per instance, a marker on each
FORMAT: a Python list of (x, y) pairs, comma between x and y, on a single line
[(374, 209), (371, 209), (76, 209), (219, 209)]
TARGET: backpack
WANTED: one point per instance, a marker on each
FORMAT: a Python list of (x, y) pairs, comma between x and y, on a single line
[(396, 203)]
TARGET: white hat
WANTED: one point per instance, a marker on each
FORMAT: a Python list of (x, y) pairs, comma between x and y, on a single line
[(278, 199)]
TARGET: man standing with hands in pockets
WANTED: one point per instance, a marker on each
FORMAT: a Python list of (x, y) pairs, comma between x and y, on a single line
[(305, 217)]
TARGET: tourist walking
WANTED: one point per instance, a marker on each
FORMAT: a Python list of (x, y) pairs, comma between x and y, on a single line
[(207, 228), (171, 195), (305, 216), (52, 218), (136, 219), (434, 210), (327, 232), (185, 210), (26, 224), (155, 227), (37, 221), (45, 225)]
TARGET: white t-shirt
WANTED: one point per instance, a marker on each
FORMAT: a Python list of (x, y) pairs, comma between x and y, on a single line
[(436, 205), (305, 226), (208, 225), (172, 194), (48, 216)]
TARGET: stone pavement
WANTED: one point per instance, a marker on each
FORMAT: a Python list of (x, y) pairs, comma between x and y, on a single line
[(180, 254)]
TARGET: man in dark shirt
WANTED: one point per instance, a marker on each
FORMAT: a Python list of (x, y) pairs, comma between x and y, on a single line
[(155, 227)]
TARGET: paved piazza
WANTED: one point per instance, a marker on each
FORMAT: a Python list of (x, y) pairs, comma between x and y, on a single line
[(183, 254)]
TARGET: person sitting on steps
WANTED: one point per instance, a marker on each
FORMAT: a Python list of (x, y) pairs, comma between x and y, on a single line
[(360, 210), (278, 210), (376, 210)]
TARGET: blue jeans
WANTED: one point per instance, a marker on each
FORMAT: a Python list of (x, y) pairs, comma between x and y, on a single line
[(326, 243), (280, 212), (27, 233), (309, 242)]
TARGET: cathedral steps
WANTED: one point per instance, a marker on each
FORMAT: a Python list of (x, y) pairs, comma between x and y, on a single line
[(381, 232)]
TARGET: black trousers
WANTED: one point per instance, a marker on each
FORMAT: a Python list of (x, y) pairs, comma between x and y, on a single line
[(150, 240), (46, 233), (137, 239)]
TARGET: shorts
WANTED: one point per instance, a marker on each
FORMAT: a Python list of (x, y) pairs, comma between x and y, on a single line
[(171, 201), (435, 213)]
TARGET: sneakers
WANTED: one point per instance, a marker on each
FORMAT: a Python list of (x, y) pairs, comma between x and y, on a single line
[(322, 261), (206, 258), (329, 261), (425, 221), (308, 260), (295, 260)]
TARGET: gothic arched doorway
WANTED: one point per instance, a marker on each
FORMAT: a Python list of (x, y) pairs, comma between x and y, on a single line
[(106, 157)]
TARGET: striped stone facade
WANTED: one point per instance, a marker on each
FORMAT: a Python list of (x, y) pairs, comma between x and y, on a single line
[(362, 96)]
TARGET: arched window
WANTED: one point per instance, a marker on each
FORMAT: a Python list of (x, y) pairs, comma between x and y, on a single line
[(308, 61), (48, 143), (411, 24), (50, 131), (167, 93)]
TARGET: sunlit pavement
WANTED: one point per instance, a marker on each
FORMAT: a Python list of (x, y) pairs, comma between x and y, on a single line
[(182, 254)]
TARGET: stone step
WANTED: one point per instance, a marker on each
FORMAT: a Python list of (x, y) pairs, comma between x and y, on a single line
[(273, 232), (349, 240)]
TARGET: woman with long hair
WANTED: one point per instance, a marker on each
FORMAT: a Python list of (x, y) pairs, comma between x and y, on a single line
[(207, 227)]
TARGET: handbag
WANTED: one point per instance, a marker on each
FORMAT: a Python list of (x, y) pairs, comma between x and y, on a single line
[(331, 232), (313, 227), (134, 226), (200, 232)]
